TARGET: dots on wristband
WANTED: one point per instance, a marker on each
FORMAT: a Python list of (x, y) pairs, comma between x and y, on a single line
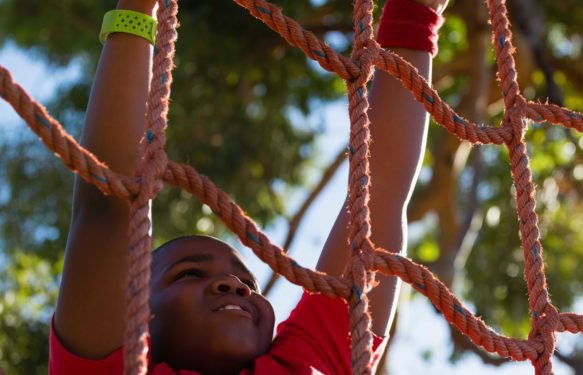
[(501, 41)]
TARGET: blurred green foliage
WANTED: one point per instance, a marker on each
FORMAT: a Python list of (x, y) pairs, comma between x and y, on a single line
[(492, 280), (235, 85)]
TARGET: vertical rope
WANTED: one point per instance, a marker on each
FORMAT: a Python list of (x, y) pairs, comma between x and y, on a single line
[(359, 182), (538, 297), (149, 172), (502, 39), (544, 317)]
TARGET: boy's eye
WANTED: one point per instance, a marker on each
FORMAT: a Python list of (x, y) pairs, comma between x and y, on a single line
[(191, 272)]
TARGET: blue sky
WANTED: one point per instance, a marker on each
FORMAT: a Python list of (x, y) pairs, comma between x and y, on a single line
[(420, 329)]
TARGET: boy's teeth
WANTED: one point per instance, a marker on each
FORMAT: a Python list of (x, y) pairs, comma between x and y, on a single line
[(231, 307)]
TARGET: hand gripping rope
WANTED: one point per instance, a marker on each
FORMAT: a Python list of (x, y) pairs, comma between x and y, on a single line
[(366, 259)]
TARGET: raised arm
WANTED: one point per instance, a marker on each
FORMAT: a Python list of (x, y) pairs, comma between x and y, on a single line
[(399, 131), (89, 316)]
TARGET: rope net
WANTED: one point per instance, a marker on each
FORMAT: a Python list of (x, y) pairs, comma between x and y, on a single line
[(366, 259)]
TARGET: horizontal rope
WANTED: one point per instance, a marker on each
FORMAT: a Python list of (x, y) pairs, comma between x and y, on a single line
[(54, 136)]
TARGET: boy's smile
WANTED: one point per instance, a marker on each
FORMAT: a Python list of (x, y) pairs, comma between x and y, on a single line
[(206, 307)]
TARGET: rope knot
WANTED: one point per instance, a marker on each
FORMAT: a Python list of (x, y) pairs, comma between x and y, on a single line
[(368, 254), (543, 332), (513, 119), (364, 58), (361, 268), (151, 179)]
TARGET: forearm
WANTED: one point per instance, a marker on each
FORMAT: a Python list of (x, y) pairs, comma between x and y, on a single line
[(90, 310), (398, 129), (398, 126), (116, 112)]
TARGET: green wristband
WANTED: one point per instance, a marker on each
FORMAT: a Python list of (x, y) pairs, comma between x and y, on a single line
[(128, 21)]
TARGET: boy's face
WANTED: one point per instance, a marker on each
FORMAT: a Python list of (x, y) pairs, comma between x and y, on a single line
[(208, 315)]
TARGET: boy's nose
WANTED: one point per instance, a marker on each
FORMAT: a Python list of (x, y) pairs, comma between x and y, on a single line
[(230, 284)]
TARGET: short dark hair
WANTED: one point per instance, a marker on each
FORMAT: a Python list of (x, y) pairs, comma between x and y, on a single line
[(185, 237)]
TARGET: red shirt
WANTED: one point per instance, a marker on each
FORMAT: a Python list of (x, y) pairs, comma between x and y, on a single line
[(313, 340)]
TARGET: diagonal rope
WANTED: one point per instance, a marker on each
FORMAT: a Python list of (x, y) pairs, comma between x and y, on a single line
[(366, 259)]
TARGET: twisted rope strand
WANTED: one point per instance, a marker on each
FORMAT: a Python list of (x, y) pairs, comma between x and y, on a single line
[(358, 184), (306, 41), (54, 136), (239, 223), (502, 40), (570, 322), (441, 112), (556, 115), (150, 172), (451, 307), (544, 317)]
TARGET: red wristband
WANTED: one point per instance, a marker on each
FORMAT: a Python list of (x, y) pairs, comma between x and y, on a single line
[(408, 24)]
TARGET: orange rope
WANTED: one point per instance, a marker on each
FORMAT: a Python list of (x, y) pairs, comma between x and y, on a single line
[(366, 259)]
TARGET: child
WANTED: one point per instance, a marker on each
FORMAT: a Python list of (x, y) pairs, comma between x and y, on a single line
[(208, 314)]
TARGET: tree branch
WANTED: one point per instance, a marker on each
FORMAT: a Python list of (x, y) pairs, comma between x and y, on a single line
[(531, 22), (575, 360), (294, 222)]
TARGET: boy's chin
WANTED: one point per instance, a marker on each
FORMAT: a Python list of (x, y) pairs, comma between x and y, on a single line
[(244, 340), (226, 359), (241, 348)]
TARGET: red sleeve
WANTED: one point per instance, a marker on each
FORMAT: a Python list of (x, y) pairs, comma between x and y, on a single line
[(316, 336), (63, 362), (408, 24)]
